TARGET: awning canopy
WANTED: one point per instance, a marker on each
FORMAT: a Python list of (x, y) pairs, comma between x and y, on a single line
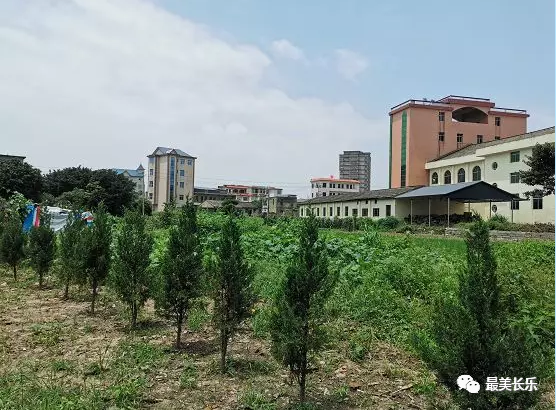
[(476, 191)]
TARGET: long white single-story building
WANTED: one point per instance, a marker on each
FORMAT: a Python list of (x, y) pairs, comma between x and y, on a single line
[(406, 202)]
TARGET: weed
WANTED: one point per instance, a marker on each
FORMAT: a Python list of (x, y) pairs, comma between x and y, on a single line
[(188, 377), (254, 400), (341, 394), (47, 334)]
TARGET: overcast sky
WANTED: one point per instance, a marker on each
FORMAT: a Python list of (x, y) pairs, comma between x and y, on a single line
[(265, 92)]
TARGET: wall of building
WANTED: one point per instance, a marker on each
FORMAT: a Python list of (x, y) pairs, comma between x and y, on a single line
[(159, 193), (423, 126), (501, 155)]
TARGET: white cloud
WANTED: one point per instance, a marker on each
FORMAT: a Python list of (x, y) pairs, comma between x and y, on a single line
[(285, 49), (350, 64), (102, 83)]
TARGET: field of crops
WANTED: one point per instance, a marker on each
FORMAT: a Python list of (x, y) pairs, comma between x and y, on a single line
[(384, 299)]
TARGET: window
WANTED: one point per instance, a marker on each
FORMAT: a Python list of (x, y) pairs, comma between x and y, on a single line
[(189, 162), (402, 175), (497, 137), (476, 173), (461, 175), (182, 173), (376, 212), (338, 211), (376, 201), (331, 213), (181, 197), (514, 156), (388, 210), (354, 212), (151, 183), (440, 116), (324, 194), (514, 178), (537, 203), (151, 171), (494, 165), (150, 195), (479, 139), (447, 177), (182, 184), (497, 121), (346, 211), (324, 184), (441, 136), (365, 212), (459, 138), (515, 203), (366, 201), (318, 211), (312, 185), (182, 161), (323, 211), (434, 178)]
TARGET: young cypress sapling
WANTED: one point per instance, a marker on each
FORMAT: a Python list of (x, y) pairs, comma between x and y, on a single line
[(42, 246), (130, 275), (298, 311), (181, 268), (12, 241), (71, 251)]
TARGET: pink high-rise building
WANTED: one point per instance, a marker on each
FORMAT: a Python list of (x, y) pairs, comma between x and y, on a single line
[(422, 130)]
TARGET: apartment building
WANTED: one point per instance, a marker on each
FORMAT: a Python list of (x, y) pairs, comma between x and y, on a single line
[(282, 205), (201, 194), (171, 176), (249, 193), (137, 176), (422, 130), (498, 163), (356, 165), (333, 186)]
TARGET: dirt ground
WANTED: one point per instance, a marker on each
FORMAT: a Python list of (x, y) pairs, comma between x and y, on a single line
[(67, 346)]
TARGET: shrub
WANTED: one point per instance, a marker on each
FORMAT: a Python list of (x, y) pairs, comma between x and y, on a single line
[(12, 242), (42, 246)]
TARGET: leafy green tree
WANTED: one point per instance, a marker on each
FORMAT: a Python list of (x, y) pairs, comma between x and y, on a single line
[(96, 251), (168, 214), (229, 206), (77, 198), (541, 170), (66, 180), (19, 176), (71, 251), (472, 334), (130, 275), (116, 192), (42, 246), (181, 268), (298, 311), (12, 241), (232, 286)]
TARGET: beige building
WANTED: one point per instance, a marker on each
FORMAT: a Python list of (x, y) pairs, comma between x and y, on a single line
[(171, 176), (282, 205), (498, 163), (249, 193), (333, 186)]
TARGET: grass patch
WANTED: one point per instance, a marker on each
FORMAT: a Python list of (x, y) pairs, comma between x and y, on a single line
[(254, 400), (46, 334)]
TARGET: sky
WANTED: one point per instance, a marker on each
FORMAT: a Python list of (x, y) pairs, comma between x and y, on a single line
[(262, 92)]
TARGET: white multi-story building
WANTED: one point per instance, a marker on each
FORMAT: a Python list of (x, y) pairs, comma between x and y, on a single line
[(171, 175), (333, 186), (498, 163), (249, 193)]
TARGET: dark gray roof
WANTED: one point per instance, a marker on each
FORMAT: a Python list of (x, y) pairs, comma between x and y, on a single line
[(374, 194), (476, 191), (471, 148), (165, 151)]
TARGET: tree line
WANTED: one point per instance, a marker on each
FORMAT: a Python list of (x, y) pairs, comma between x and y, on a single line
[(472, 333), (72, 187)]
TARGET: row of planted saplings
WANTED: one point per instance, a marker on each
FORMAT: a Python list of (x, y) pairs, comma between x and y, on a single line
[(120, 254)]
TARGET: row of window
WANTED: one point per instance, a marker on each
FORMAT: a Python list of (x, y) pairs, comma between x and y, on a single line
[(441, 116), (181, 184), (537, 204), (461, 176), (354, 212), (459, 138), (182, 172), (332, 185)]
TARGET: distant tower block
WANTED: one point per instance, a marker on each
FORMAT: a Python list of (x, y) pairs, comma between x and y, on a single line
[(356, 165)]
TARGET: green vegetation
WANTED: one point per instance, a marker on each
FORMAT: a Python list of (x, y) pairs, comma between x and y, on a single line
[(297, 313), (181, 269), (378, 321), (130, 276), (12, 243), (42, 247), (71, 267)]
